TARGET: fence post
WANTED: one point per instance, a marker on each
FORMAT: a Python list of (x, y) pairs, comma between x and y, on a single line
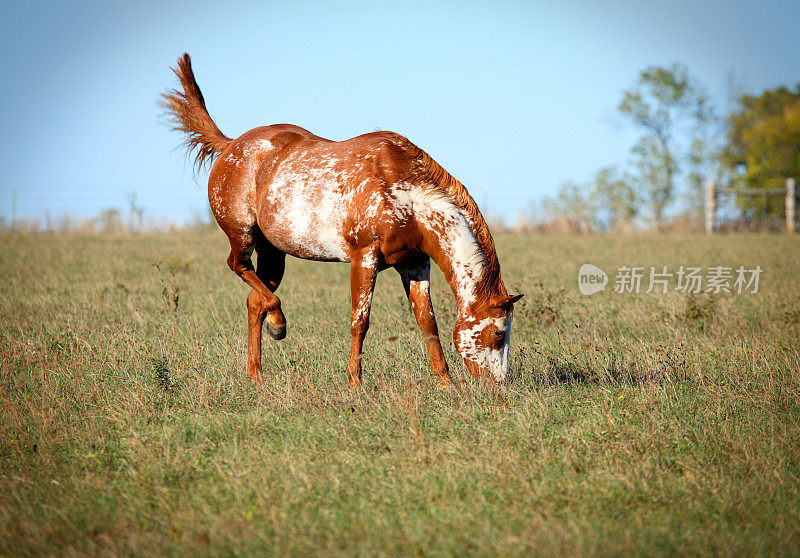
[(711, 206), (790, 205), (13, 209)]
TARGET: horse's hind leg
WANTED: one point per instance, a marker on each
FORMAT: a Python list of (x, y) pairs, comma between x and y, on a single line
[(271, 264), (242, 246)]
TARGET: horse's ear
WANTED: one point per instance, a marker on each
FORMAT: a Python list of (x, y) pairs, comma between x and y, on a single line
[(508, 301)]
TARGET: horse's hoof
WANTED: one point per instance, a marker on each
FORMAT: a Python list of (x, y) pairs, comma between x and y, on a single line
[(446, 385), (276, 332), (255, 377)]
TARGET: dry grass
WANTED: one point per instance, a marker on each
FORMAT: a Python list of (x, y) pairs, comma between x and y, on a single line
[(635, 423)]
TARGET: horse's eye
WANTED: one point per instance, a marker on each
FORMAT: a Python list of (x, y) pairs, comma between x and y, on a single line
[(499, 333)]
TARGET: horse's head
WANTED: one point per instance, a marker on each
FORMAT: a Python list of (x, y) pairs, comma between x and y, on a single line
[(483, 336)]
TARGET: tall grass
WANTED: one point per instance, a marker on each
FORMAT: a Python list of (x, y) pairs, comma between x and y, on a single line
[(635, 423)]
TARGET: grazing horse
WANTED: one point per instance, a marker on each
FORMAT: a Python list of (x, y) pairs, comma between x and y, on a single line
[(376, 201)]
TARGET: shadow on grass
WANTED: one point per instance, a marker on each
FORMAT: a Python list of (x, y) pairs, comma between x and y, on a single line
[(612, 369)]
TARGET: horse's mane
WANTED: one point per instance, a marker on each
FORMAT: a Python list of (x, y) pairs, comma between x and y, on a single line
[(431, 172)]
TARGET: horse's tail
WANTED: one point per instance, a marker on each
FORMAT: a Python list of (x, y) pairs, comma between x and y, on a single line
[(188, 114)]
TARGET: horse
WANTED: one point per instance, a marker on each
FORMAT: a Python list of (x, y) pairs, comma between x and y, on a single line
[(376, 201)]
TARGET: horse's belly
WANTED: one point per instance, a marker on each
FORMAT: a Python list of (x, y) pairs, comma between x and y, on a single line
[(306, 222)]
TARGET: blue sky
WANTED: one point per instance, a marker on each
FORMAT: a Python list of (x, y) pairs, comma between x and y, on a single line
[(511, 97)]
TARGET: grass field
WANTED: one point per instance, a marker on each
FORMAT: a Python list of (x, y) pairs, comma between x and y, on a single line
[(648, 424)]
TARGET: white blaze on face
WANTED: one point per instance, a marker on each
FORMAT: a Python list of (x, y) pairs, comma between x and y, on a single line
[(505, 349), (471, 347)]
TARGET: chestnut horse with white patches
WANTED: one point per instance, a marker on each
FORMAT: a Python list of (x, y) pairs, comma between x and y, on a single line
[(376, 201)]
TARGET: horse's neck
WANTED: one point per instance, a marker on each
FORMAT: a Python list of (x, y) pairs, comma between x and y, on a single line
[(454, 249)]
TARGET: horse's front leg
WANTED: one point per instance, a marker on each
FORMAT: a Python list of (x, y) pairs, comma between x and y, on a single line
[(416, 279), (363, 271)]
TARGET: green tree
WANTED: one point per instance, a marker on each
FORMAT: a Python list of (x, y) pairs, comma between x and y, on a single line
[(573, 206), (614, 198), (662, 102), (763, 146), (609, 201), (109, 220)]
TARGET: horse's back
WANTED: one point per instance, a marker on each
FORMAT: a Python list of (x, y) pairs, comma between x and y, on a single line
[(310, 197)]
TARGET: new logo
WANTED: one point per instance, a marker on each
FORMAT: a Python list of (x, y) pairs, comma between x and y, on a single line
[(591, 279)]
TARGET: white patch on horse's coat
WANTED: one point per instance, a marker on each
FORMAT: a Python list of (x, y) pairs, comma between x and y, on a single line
[(312, 205), (435, 211), (417, 280), (255, 146), (362, 308), (374, 204), (493, 360), (370, 261), (505, 349), (240, 208), (424, 292), (234, 158)]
